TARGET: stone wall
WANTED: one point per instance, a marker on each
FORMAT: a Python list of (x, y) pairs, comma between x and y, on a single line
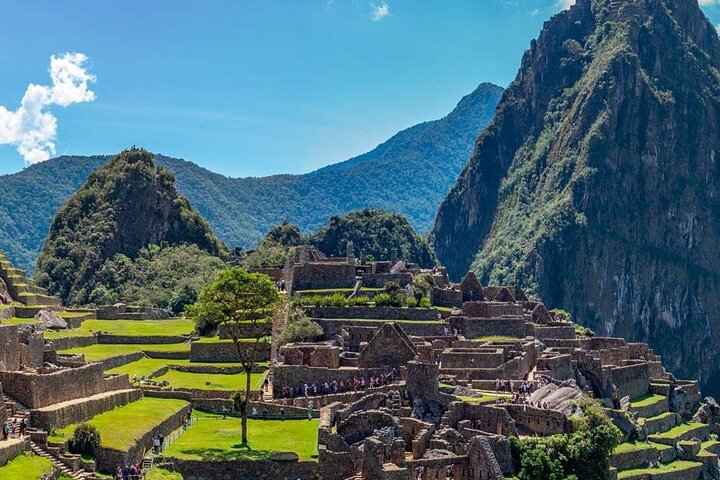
[(245, 470), (292, 375), (331, 328), (314, 276), (632, 380), (492, 309), (538, 421), (381, 313), (35, 390), (378, 280), (13, 448), (442, 297), (9, 350), (244, 330), (67, 343), (564, 332), (120, 360), (472, 358), (108, 459), (224, 352), (474, 327), (60, 415), (6, 311)]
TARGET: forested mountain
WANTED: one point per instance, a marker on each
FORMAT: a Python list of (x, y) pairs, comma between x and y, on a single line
[(597, 184), (408, 174), (122, 208)]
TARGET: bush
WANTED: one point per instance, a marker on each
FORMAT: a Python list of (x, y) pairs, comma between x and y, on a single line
[(412, 302), (360, 301), (299, 328), (85, 439), (387, 300), (336, 300), (391, 288), (425, 302)]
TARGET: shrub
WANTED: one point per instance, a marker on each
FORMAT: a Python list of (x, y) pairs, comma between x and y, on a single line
[(299, 328), (85, 439), (358, 301), (387, 300), (412, 302), (425, 302), (336, 300), (391, 288)]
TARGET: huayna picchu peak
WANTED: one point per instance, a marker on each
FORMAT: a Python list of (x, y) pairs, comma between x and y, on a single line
[(597, 185), (123, 207)]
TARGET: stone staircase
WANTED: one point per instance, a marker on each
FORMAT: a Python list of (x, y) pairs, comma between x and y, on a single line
[(67, 464)]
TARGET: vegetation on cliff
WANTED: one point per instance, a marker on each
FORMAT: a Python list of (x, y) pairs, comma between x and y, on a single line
[(594, 186), (121, 209)]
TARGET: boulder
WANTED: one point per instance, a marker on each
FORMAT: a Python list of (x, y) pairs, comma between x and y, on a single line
[(50, 320), (709, 413)]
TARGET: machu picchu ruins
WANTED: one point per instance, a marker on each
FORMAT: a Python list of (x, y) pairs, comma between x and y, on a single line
[(412, 377)]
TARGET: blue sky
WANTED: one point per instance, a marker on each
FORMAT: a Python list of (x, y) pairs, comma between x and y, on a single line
[(249, 88)]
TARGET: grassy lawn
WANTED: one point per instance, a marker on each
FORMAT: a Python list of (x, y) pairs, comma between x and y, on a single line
[(670, 467), (212, 438), (147, 365), (173, 326), (210, 381), (676, 432), (219, 340), (121, 427), (157, 473), (95, 353), (646, 400), (26, 467), (74, 332), (18, 321)]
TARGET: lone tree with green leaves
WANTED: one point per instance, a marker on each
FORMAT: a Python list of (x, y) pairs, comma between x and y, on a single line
[(238, 297)]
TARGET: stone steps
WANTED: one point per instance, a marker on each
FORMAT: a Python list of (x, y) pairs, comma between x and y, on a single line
[(77, 474)]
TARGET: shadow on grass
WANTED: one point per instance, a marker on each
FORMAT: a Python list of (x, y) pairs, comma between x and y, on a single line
[(238, 452)]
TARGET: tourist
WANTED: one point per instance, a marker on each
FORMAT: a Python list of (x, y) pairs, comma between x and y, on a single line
[(282, 414), (266, 384), (156, 444), (5, 430), (224, 412), (310, 411), (265, 413), (133, 472), (254, 413), (23, 426), (162, 441), (126, 473), (118, 474)]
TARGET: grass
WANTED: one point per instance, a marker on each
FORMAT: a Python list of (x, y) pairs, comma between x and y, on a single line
[(121, 427), (210, 381), (212, 438), (157, 473), (75, 332), (19, 321), (173, 326), (634, 447), (147, 365), (670, 467), (98, 352), (496, 338), (676, 432), (647, 400), (26, 467)]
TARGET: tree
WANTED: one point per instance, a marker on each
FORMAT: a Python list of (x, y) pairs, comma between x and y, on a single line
[(235, 297), (299, 327)]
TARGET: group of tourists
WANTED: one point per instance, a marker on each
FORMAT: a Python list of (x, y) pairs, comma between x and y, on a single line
[(525, 388), (352, 384), (158, 443), (132, 472), (14, 428)]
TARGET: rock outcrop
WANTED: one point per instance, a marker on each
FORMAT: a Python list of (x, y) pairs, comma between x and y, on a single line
[(597, 187)]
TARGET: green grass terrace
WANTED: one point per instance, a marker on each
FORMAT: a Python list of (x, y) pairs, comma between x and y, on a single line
[(99, 352), (146, 365), (26, 467), (122, 427), (210, 381), (211, 437)]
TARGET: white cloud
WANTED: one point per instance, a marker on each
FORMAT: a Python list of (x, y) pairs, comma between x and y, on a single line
[(380, 11), (565, 4), (708, 2), (30, 128)]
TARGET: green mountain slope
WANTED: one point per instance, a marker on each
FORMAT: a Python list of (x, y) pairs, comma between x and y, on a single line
[(408, 174), (123, 207), (597, 184)]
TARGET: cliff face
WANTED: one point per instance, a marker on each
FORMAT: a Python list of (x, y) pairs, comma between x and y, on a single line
[(596, 185), (124, 206)]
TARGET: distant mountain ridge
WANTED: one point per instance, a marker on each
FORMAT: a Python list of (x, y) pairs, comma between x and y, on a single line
[(408, 174)]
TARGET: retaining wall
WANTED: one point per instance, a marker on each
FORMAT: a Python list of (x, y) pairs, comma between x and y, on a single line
[(380, 313), (60, 415), (224, 352), (244, 470)]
